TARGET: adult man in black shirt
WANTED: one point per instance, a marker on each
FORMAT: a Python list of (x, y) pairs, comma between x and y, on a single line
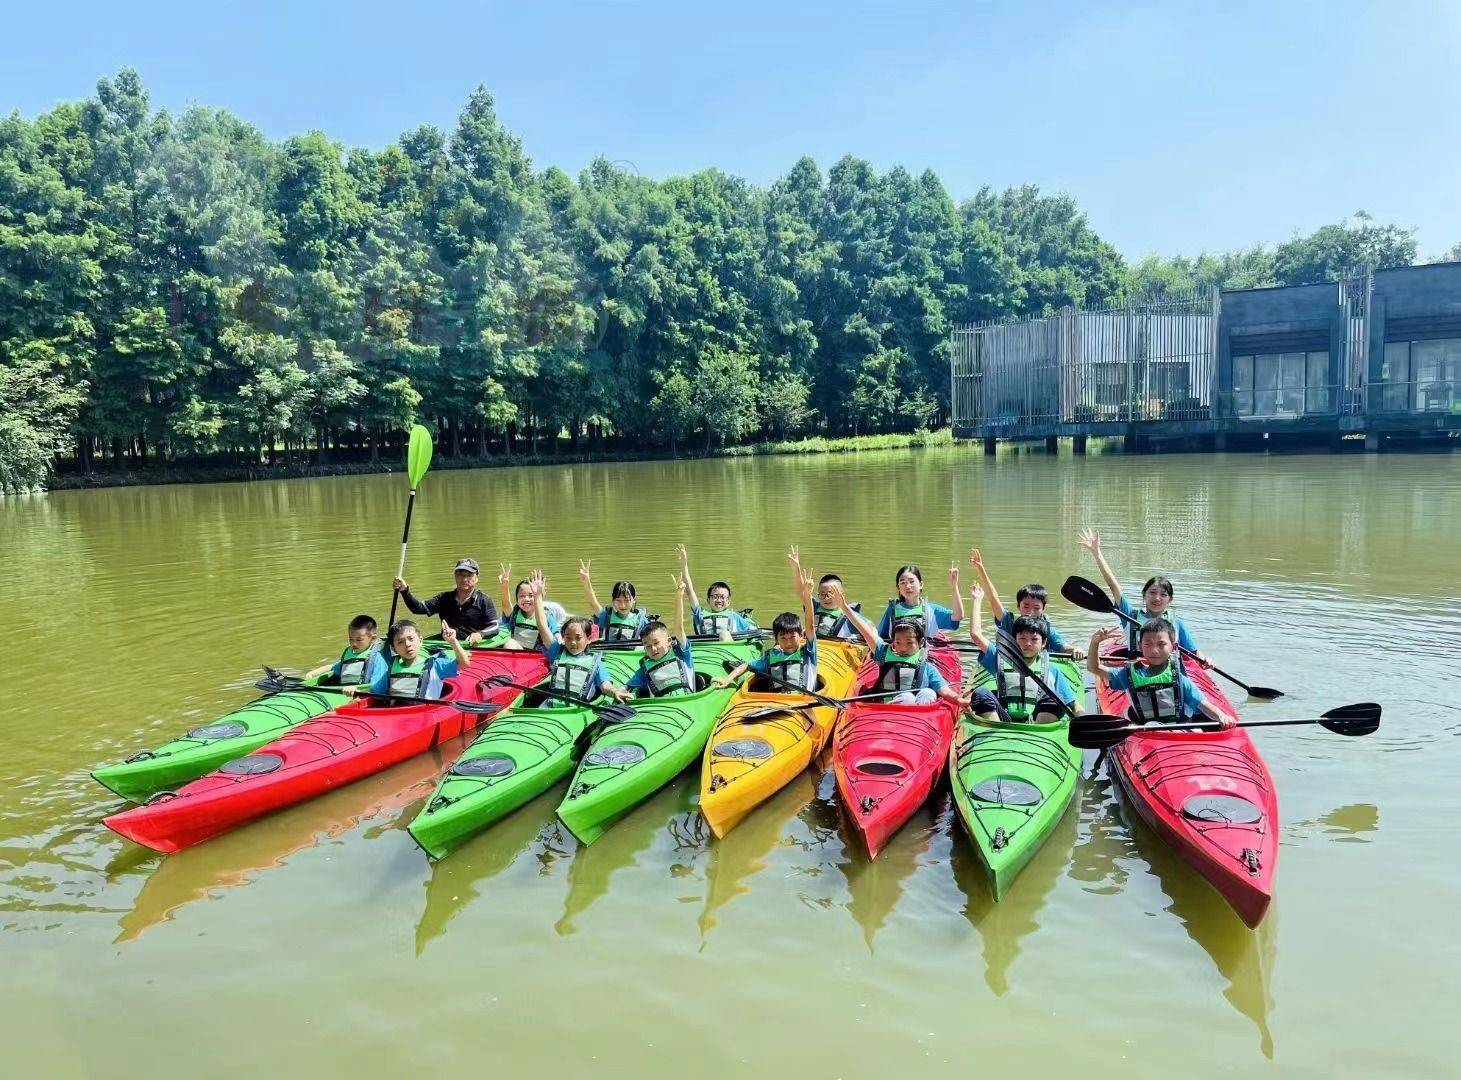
[(465, 609)]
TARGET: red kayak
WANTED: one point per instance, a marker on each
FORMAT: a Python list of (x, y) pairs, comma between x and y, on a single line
[(1209, 795), (888, 757), (329, 751)]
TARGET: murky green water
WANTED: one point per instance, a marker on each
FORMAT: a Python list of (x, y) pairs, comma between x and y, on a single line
[(320, 941)]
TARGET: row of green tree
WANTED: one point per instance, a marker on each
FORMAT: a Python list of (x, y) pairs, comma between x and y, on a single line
[(179, 288)]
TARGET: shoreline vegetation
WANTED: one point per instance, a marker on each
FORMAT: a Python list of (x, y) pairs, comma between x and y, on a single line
[(182, 296), (221, 472)]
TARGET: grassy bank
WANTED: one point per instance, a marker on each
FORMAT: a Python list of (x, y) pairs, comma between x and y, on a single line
[(206, 473)]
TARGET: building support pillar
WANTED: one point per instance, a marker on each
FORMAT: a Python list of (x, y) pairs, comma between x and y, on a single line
[(1372, 441), (1052, 444), (1078, 444), (989, 445), (1220, 441)]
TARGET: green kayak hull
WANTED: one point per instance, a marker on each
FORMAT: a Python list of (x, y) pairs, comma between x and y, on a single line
[(233, 735), (205, 748), (1012, 784), (522, 753), (629, 761)]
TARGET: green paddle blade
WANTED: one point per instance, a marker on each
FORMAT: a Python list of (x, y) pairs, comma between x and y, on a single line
[(418, 454)]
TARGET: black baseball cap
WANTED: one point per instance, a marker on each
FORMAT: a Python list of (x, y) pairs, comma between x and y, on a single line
[(468, 564)]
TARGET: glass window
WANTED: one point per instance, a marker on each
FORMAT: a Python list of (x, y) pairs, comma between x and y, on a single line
[(1265, 385), (1318, 394), (1243, 385), (1291, 384), (1395, 377), (1435, 373)]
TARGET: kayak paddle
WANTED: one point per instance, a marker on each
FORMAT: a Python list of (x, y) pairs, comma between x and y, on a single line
[(820, 699), (1103, 732), (598, 645), (276, 682), (418, 460), (1092, 597), (614, 713)]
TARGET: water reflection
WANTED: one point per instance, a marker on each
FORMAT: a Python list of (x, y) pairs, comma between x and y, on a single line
[(1244, 957), (1344, 824), (237, 858), (1003, 925), (743, 853), (670, 813), (457, 880), (874, 886)]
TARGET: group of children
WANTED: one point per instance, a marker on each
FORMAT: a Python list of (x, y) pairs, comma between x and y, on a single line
[(899, 644)]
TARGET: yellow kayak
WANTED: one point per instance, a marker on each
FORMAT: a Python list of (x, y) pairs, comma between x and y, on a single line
[(764, 739)]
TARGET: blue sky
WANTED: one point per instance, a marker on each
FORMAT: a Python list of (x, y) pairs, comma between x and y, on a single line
[(1178, 127)]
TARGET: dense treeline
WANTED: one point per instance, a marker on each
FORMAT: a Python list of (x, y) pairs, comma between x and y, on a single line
[(178, 289)]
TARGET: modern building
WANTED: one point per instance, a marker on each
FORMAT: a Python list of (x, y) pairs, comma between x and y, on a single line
[(1374, 359)]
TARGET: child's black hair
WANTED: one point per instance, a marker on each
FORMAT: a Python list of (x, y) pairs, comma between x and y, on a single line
[(583, 622), (717, 585), (362, 622), (825, 578), (788, 622), (1165, 584), (1031, 624), (653, 625), (916, 625), (624, 589), (1157, 626), (397, 627), (1032, 591), (908, 569)]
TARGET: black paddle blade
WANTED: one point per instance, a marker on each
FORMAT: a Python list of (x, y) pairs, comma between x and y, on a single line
[(1098, 731), (479, 708), (1352, 720), (1264, 693), (1086, 594)]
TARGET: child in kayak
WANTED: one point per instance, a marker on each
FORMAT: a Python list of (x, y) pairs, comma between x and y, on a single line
[(622, 620), (362, 659), (521, 623), (721, 620), (830, 623), (666, 669), (903, 664), (1156, 596), (1160, 693), (911, 605), (572, 668), (793, 659), (1016, 697), (1029, 600), (413, 673)]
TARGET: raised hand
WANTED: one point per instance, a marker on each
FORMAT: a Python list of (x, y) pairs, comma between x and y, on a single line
[(838, 596), (448, 634), (1105, 634), (976, 593), (679, 583), (976, 560), (583, 574), (537, 584), (504, 574), (1090, 540), (684, 556), (794, 555), (954, 576), (398, 585), (803, 579)]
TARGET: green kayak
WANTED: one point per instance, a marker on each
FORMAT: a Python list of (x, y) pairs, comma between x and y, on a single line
[(203, 749), (629, 761), (1012, 784), (518, 756)]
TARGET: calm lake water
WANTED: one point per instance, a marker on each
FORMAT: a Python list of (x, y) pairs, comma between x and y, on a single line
[(320, 941)]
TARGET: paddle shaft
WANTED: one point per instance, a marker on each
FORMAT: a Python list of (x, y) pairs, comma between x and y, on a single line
[(1266, 692), (1014, 653), (401, 567), (559, 695)]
